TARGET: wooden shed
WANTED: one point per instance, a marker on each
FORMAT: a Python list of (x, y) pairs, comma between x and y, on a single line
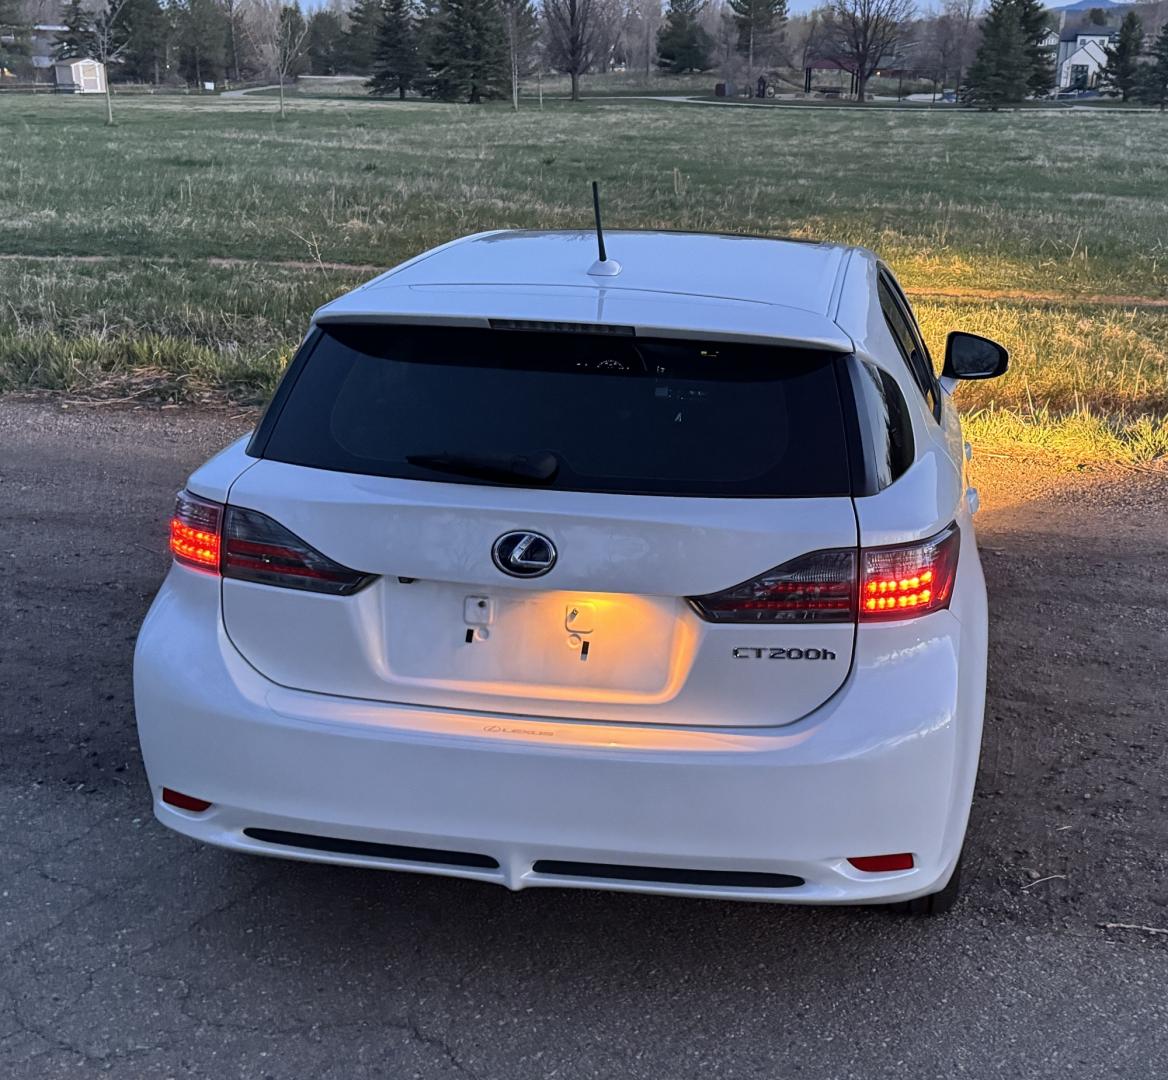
[(80, 76)]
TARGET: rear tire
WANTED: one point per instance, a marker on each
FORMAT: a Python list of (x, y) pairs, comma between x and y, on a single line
[(936, 903)]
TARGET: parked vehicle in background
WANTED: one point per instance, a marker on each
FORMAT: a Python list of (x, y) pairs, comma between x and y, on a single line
[(654, 572)]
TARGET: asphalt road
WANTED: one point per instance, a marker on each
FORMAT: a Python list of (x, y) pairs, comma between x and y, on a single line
[(128, 951)]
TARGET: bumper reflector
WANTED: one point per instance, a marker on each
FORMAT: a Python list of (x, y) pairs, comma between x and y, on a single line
[(876, 864), (184, 802)]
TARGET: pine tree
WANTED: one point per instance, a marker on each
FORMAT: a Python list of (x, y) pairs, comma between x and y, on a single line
[(1152, 86), (1001, 72), (325, 44), (77, 40), (1123, 59), (202, 35), (148, 32), (361, 37), (396, 63), (468, 51), (758, 23), (682, 44), (1034, 20)]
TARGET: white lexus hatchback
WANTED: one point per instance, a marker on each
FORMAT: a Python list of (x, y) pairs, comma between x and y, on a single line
[(654, 573)]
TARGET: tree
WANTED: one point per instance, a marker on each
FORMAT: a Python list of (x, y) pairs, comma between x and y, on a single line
[(202, 40), (1122, 68), (962, 17), (278, 34), (77, 39), (946, 42), (467, 51), (806, 39), (1039, 57), (643, 20), (13, 35), (361, 36), (325, 46), (682, 43), (396, 63), (521, 24), (758, 23), (864, 34), (571, 27), (233, 14), (1153, 82), (1000, 73), (287, 48), (291, 57), (109, 42), (148, 32), (608, 17)]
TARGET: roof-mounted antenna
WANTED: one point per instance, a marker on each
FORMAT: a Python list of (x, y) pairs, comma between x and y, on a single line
[(604, 266)]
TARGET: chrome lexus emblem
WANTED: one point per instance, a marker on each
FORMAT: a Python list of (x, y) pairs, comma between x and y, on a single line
[(524, 554)]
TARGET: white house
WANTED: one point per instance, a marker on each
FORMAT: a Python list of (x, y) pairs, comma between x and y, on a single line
[(1081, 55), (80, 76)]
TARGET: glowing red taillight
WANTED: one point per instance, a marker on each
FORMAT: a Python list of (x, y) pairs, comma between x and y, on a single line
[(250, 546), (909, 579), (896, 582), (194, 532)]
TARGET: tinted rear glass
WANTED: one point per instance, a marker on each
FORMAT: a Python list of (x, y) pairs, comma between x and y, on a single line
[(886, 415), (619, 413)]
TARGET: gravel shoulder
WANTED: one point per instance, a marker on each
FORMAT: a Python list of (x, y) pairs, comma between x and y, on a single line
[(127, 951)]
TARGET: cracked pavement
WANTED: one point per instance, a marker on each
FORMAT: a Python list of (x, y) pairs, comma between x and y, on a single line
[(127, 951)]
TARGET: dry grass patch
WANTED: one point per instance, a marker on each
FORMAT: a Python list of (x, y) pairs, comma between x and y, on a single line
[(183, 189)]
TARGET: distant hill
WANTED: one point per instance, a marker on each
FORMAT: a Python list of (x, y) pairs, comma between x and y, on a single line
[(1087, 5)]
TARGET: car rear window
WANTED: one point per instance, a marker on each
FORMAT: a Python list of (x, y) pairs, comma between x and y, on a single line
[(885, 415), (620, 413)]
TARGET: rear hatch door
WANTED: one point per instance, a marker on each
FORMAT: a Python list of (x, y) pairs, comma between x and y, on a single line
[(630, 474)]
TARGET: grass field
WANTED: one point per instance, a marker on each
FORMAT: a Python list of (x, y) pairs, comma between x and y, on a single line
[(180, 253)]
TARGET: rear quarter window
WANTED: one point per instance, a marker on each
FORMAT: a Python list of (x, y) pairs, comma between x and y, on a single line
[(884, 422), (655, 416)]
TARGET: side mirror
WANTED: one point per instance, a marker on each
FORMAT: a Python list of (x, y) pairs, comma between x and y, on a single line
[(968, 356)]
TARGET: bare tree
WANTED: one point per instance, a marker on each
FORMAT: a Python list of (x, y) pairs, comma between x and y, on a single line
[(232, 11), (805, 39), (944, 42), (522, 26), (572, 36), (865, 33), (608, 17), (108, 46), (947, 42), (277, 34), (642, 20), (963, 19)]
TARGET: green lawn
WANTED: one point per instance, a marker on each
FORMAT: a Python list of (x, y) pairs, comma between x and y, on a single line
[(1046, 228)]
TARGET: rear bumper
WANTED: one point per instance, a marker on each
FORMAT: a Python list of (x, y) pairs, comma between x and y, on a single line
[(887, 765)]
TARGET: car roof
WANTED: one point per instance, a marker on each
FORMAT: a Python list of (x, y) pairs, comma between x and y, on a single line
[(669, 282)]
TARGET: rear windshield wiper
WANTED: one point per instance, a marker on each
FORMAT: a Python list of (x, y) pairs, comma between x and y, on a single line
[(539, 468)]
